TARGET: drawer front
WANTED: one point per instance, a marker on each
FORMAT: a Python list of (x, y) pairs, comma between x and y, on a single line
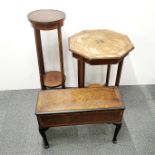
[(79, 118)]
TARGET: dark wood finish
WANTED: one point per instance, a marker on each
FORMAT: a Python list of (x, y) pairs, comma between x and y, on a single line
[(48, 20), (39, 56), (99, 61), (117, 129), (119, 71), (80, 118), (100, 47), (43, 134), (108, 74), (53, 79), (78, 99), (79, 106), (109, 62), (61, 55), (81, 73)]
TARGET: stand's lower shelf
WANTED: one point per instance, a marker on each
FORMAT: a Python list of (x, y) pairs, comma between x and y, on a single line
[(53, 79)]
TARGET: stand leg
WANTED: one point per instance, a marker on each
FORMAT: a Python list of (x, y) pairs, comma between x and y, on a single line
[(117, 129), (42, 133), (61, 56), (40, 57)]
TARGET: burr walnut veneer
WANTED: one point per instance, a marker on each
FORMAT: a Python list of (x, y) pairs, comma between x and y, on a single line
[(79, 106), (48, 20), (98, 47)]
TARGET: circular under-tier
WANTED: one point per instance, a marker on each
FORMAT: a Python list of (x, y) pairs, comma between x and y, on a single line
[(53, 79)]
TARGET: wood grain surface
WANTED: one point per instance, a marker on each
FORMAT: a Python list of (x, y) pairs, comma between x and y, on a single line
[(46, 16), (46, 19), (53, 79), (95, 85), (100, 44), (79, 118), (57, 101)]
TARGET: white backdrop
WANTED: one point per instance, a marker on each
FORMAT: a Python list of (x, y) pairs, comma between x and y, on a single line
[(18, 61)]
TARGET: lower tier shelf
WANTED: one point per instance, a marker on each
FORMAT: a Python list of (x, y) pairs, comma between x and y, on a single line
[(53, 79), (95, 85)]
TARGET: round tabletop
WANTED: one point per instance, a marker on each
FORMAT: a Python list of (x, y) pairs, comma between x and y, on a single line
[(46, 18)]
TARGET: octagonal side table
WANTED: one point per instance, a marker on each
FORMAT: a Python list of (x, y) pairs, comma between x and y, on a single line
[(48, 20), (97, 47)]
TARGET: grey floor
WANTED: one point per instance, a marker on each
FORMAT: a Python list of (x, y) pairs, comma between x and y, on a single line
[(19, 130)]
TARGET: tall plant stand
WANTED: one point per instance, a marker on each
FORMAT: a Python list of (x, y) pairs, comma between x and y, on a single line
[(48, 20)]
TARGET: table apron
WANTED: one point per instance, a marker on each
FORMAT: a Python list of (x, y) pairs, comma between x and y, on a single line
[(79, 118)]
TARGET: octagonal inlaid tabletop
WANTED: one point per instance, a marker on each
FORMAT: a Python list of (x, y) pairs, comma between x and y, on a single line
[(100, 44)]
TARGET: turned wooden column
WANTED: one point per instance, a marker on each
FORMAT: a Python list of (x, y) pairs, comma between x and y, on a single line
[(48, 20)]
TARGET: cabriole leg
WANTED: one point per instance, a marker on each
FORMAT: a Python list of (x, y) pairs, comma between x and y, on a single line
[(117, 129), (43, 134)]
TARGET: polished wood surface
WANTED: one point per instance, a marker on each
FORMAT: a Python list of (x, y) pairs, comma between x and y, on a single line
[(40, 57), (61, 56), (53, 79), (80, 118), (100, 44), (99, 47), (46, 19), (56, 101), (77, 107)]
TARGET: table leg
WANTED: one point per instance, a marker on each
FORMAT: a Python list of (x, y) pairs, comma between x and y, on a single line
[(119, 71), (108, 74), (117, 129), (43, 134), (81, 73)]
